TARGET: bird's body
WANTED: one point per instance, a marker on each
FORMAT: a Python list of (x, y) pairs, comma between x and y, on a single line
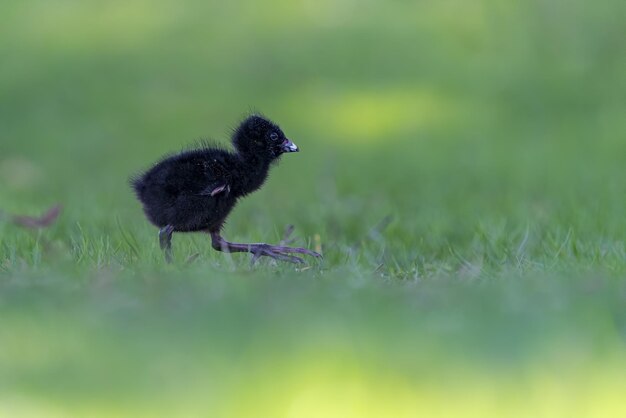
[(195, 190), (177, 190)]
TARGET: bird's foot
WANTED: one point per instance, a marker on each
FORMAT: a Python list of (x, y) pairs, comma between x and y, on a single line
[(261, 250), (284, 253), (277, 252)]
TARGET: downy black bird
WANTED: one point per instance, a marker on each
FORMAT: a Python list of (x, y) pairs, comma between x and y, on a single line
[(195, 190)]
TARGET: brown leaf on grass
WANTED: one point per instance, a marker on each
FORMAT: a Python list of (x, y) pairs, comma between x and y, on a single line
[(43, 221)]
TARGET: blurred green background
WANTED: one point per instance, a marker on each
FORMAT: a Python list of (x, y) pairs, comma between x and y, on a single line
[(461, 167)]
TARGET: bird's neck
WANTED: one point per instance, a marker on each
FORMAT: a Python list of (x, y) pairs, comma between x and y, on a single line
[(255, 169)]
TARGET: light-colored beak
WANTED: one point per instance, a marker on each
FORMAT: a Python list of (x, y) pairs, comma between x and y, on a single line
[(289, 146)]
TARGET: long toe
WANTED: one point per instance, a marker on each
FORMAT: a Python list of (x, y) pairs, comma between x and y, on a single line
[(312, 253), (289, 258), (266, 252), (297, 250)]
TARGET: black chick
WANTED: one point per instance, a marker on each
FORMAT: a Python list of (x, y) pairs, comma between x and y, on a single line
[(196, 190)]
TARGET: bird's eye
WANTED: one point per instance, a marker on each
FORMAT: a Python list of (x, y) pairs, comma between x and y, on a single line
[(274, 136)]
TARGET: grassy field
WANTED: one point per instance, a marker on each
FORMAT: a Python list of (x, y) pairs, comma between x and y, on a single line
[(462, 171)]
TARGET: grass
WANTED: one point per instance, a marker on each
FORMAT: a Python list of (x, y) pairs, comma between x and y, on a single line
[(461, 171)]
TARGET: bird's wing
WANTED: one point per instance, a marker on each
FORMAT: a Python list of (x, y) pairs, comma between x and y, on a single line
[(215, 189), (221, 177)]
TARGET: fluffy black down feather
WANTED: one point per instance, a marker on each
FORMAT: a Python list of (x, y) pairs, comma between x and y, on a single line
[(195, 190)]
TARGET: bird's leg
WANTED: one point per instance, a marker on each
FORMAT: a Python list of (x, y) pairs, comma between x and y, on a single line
[(165, 241), (258, 250)]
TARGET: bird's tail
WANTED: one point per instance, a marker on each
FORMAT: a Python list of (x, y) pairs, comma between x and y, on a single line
[(138, 185)]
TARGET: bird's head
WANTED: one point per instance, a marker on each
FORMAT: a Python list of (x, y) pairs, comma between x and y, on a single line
[(258, 136)]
